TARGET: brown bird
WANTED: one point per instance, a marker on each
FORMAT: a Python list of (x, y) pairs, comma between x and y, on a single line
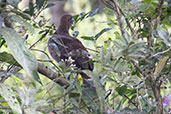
[(62, 46)]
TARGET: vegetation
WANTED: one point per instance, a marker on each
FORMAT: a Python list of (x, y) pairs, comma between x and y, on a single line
[(131, 55)]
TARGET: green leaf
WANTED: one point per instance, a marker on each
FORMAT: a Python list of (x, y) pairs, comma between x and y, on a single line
[(119, 105), (101, 32), (39, 3), (22, 22), (121, 66), (92, 38), (121, 89), (88, 38), (20, 52), (142, 8), (49, 5), (31, 8), (8, 94), (74, 102), (8, 58)]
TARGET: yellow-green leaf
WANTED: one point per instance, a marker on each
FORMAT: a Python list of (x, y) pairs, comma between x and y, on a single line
[(160, 65)]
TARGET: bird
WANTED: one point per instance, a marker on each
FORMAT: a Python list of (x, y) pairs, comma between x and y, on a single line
[(62, 46)]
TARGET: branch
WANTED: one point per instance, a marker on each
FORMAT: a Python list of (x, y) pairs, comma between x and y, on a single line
[(112, 5), (158, 14), (44, 70), (150, 40), (126, 19)]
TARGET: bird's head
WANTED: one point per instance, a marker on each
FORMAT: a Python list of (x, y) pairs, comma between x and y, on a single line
[(65, 23), (67, 19)]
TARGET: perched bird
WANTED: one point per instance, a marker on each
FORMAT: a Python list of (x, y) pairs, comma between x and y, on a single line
[(61, 46)]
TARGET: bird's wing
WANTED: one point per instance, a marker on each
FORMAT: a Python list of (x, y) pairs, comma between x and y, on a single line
[(61, 47)]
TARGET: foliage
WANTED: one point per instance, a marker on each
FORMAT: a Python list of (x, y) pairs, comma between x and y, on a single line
[(132, 67)]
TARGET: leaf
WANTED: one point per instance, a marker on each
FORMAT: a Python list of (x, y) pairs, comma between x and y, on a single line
[(162, 34), (39, 3), (100, 90), (88, 38), (8, 58), (49, 5), (39, 103), (88, 96), (20, 13), (119, 43), (142, 8), (101, 32), (119, 105), (121, 66), (0, 28), (22, 22), (165, 36), (13, 2), (20, 52), (92, 38), (8, 94), (2, 43), (74, 102), (132, 111), (31, 8), (92, 13), (84, 15), (160, 65), (121, 89)]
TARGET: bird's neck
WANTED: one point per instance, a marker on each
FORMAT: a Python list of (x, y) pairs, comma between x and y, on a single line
[(63, 29)]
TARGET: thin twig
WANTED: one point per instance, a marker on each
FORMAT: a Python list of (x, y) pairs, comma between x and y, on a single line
[(92, 50), (43, 36), (160, 53), (131, 101), (138, 68), (126, 19), (41, 52), (114, 7)]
